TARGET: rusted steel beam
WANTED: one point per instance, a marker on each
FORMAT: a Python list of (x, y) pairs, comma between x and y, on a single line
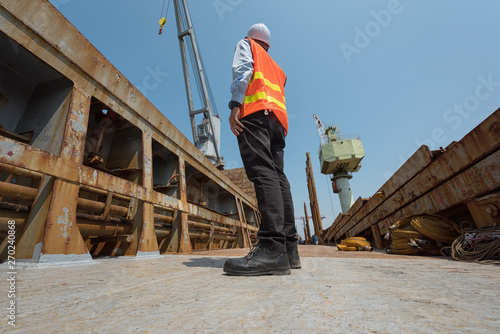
[(359, 204), (20, 171), (313, 199), (7, 215), (147, 242), (100, 218), (105, 193), (73, 144), (204, 226), (87, 227), (14, 207), (86, 61), (179, 241), (485, 210), (101, 229), (206, 214), (308, 230), (58, 44), (197, 235), (477, 144), (192, 224), (477, 180), (162, 233), (112, 238), (163, 218), (28, 157), (17, 192), (93, 179), (184, 241), (88, 204), (416, 163), (379, 244), (29, 236), (243, 239), (210, 241), (62, 237)]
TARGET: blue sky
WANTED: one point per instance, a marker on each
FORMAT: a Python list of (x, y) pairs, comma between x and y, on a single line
[(397, 73)]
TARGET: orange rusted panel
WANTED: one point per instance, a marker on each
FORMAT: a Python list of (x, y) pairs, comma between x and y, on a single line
[(450, 169), (62, 236), (478, 180), (184, 242), (59, 174), (485, 210), (76, 126)]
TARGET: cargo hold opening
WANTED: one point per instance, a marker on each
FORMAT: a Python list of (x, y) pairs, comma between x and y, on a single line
[(34, 98)]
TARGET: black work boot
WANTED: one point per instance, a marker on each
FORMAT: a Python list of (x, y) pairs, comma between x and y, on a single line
[(293, 256), (260, 261)]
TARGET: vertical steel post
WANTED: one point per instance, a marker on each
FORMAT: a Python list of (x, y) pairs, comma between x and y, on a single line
[(313, 198), (308, 230), (147, 236)]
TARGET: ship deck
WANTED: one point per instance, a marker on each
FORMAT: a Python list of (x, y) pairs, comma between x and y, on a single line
[(333, 292)]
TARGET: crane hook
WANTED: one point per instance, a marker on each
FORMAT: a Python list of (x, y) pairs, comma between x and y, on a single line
[(162, 22)]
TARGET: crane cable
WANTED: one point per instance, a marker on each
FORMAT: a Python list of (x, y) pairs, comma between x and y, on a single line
[(163, 19)]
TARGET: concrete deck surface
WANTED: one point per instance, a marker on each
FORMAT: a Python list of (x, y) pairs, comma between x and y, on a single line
[(190, 294)]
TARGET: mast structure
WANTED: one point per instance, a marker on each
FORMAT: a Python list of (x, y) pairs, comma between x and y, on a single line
[(206, 136)]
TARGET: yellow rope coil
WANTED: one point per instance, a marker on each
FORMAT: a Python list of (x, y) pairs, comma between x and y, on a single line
[(355, 244), (406, 234), (437, 228), (403, 241), (418, 234), (346, 248)]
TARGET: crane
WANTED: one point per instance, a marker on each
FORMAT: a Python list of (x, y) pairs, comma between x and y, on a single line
[(339, 157), (321, 130), (206, 135)]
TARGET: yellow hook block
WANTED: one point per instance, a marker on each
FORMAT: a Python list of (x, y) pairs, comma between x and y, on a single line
[(162, 23)]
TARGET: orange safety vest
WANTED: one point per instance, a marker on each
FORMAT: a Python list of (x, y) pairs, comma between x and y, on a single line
[(266, 89)]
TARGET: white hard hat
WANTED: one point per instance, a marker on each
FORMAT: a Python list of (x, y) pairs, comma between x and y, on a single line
[(259, 31)]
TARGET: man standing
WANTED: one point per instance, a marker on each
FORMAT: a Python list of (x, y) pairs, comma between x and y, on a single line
[(259, 120)]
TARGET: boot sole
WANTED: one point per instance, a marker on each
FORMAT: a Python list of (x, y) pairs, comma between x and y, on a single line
[(295, 266), (275, 271)]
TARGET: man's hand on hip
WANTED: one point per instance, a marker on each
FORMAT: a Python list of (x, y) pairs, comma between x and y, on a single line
[(234, 121)]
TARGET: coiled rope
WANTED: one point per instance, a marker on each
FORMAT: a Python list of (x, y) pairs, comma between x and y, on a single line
[(480, 245), (422, 234)]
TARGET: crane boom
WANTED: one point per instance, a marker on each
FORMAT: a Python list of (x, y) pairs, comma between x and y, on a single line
[(321, 130), (206, 136)]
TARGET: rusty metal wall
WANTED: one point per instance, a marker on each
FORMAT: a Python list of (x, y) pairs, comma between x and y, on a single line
[(105, 173), (461, 182)]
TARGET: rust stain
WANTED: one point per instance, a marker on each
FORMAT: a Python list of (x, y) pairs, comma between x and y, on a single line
[(92, 74), (495, 128)]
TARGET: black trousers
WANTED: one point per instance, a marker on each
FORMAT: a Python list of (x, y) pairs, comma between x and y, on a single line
[(261, 147)]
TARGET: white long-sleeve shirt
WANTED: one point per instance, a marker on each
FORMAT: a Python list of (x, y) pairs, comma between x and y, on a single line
[(242, 70)]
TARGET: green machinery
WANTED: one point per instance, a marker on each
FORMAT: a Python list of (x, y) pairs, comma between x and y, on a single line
[(339, 157)]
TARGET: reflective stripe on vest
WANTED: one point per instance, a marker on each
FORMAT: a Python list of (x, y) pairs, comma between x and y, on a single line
[(266, 87), (263, 96)]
